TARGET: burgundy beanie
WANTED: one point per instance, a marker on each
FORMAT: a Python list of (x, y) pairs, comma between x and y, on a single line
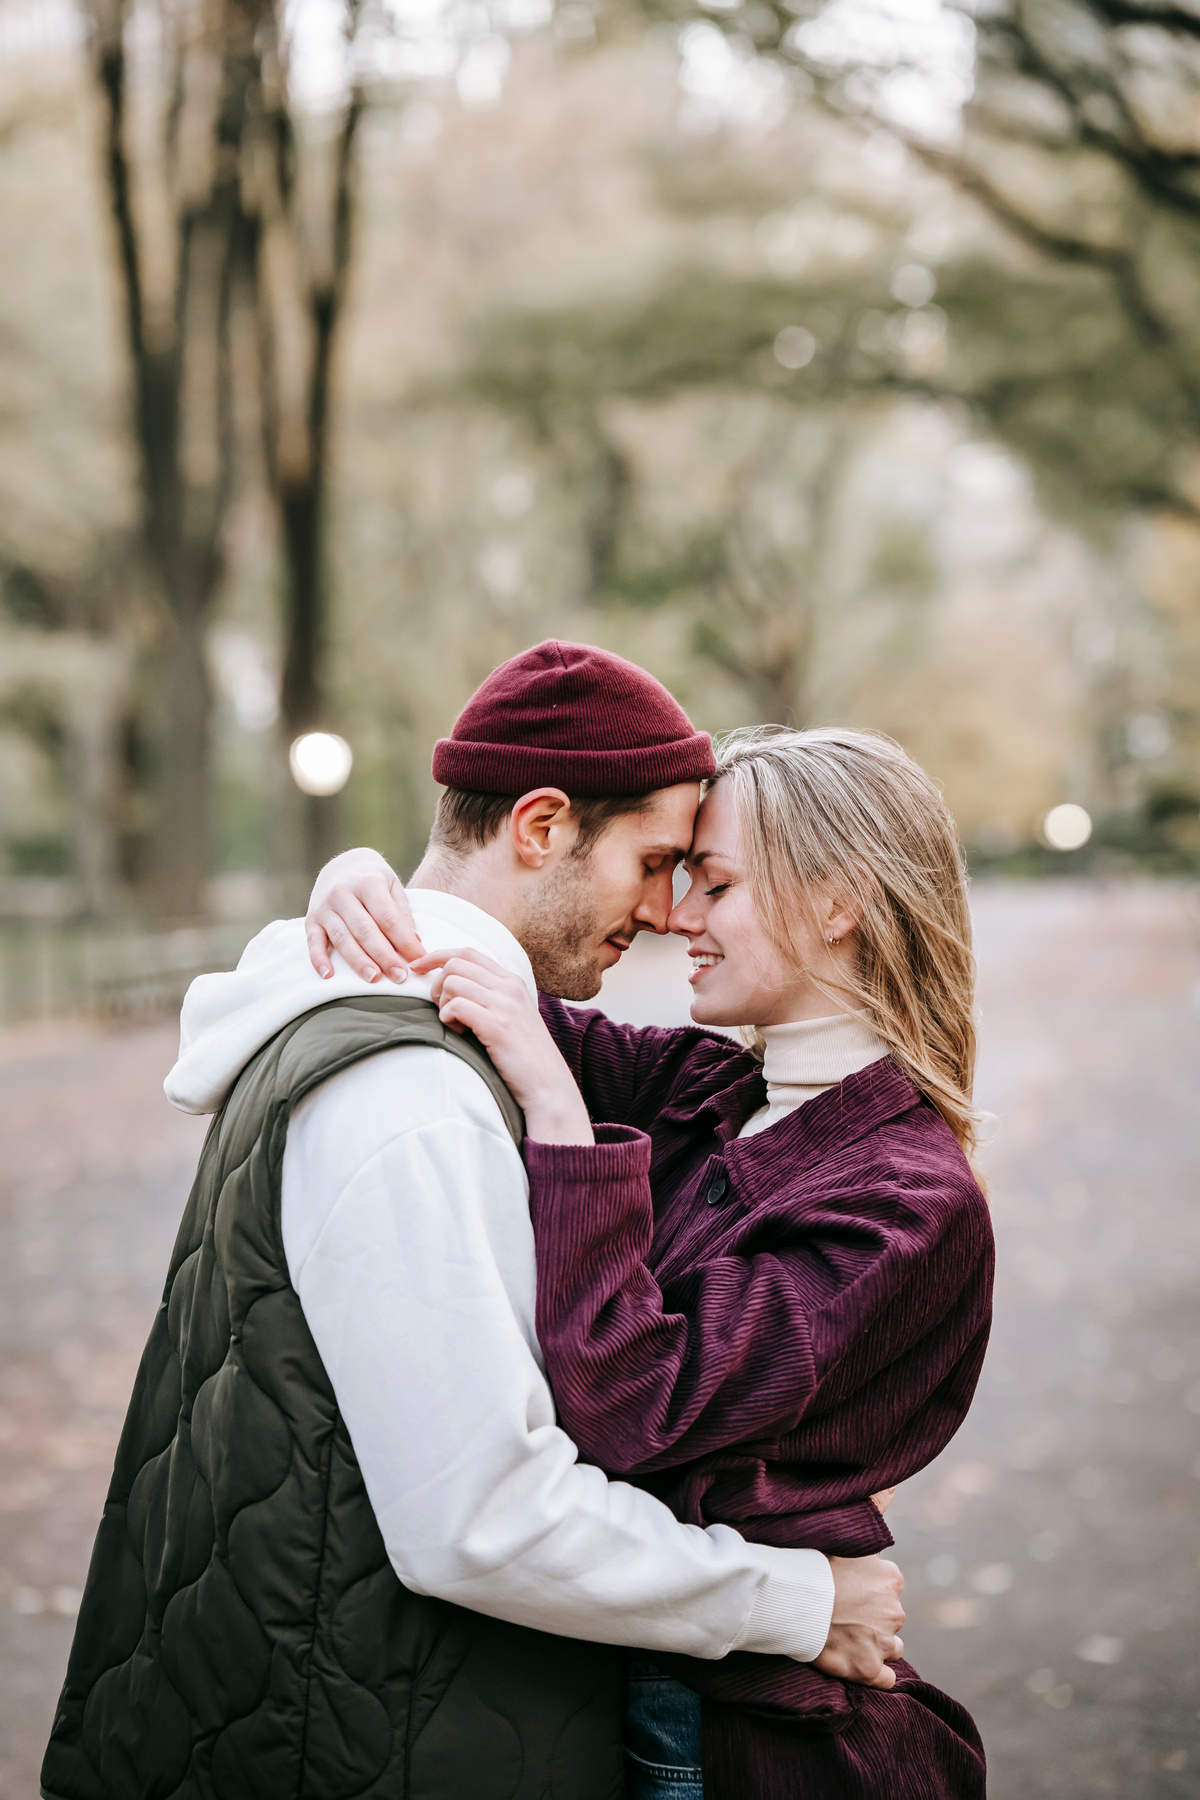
[(573, 717)]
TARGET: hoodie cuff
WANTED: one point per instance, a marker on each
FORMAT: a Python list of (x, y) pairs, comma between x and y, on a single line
[(793, 1608)]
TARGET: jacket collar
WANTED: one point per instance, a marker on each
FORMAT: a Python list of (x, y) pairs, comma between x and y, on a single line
[(838, 1117)]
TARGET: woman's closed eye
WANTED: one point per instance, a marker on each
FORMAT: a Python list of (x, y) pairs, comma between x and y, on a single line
[(712, 892)]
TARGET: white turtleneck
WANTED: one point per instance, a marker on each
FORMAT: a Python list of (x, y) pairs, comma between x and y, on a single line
[(804, 1058)]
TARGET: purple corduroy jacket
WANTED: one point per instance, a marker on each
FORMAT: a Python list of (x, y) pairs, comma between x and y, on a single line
[(765, 1331)]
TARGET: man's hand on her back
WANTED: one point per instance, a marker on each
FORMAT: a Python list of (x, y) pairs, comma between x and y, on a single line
[(867, 1615), (358, 907)]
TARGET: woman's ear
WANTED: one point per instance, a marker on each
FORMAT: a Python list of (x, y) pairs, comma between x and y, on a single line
[(842, 916), (537, 825)]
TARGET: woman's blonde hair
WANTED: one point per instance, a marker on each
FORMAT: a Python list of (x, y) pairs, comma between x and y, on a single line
[(852, 809)]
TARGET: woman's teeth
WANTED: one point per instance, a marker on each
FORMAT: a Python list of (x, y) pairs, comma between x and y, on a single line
[(707, 962)]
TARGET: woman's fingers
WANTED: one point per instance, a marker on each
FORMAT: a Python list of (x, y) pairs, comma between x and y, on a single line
[(318, 949), (393, 915), (360, 904), (461, 1012), (475, 959), (345, 935), (884, 1498), (366, 937), (495, 1016)]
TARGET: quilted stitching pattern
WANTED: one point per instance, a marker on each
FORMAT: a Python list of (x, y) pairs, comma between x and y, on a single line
[(242, 1633)]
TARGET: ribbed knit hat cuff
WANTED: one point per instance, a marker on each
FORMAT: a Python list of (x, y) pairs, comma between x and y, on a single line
[(590, 774)]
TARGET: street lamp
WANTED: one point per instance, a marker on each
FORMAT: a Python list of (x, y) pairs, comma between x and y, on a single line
[(320, 762)]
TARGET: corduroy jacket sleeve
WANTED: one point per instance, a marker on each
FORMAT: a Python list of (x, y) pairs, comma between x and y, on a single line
[(628, 1073), (751, 1339)]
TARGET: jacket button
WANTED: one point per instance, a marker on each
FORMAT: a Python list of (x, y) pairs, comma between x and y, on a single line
[(716, 1192)]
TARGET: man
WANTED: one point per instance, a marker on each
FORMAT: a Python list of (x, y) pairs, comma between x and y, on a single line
[(346, 1549)]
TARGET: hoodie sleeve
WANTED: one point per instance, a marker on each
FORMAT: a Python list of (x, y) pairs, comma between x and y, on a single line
[(407, 1231)]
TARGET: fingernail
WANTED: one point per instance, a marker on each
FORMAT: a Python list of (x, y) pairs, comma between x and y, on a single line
[(374, 975), (398, 973), (325, 972)]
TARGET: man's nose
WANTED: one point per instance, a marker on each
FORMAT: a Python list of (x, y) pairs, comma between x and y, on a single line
[(654, 907)]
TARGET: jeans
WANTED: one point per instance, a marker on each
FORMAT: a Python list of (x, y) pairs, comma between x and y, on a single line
[(661, 1733)]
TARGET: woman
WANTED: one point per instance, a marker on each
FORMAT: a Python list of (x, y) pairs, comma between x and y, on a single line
[(764, 1285)]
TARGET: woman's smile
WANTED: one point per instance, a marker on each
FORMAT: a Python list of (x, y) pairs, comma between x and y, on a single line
[(702, 961)]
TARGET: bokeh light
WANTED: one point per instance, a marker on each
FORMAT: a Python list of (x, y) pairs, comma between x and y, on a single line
[(1067, 827), (320, 762), (795, 347), (913, 284)]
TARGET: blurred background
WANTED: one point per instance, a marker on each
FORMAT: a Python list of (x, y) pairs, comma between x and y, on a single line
[(840, 362)]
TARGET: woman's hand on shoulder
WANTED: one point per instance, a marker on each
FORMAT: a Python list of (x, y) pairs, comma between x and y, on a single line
[(358, 907), (475, 994)]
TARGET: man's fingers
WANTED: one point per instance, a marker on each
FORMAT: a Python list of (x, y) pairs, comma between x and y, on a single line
[(898, 1652), (318, 949), (893, 1570), (886, 1678)]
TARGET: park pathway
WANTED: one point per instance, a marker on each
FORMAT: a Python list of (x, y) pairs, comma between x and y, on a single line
[(1052, 1554)]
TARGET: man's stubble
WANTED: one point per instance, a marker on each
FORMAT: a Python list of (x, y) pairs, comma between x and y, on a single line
[(563, 933)]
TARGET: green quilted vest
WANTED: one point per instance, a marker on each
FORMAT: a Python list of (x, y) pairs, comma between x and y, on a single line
[(242, 1634)]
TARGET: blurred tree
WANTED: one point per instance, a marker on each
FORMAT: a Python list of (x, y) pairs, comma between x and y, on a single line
[(65, 677), (1076, 123), (227, 259)]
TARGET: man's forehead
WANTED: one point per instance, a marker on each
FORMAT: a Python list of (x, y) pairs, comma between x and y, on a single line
[(668, 820)]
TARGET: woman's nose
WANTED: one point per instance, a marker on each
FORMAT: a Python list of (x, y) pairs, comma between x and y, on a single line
[(685, 918)]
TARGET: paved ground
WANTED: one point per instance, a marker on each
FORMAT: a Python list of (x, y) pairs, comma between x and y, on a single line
[(1052, 1554)]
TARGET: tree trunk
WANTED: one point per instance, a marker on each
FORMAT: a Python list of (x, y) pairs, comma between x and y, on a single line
[(179, 344), (182, 834), (296, 428)]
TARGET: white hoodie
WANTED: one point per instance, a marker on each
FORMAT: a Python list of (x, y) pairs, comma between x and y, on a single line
[(406, 1228)]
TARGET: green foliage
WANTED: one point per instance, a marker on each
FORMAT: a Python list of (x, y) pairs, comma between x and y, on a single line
[(37, 714), (44, 854), (700, 329), (902, 557), (237, 822), (1053, 366), (696, 564), (24, 596), (709, 182)]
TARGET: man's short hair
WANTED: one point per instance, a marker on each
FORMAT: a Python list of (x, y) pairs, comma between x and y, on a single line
[(466, 821)]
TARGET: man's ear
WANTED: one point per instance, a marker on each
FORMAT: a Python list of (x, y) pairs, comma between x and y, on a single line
[(541, 825)]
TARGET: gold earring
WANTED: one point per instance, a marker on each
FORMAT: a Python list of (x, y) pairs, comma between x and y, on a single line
[(834, 942)]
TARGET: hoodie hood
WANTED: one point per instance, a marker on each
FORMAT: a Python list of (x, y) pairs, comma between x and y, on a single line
[(226, 1019)]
